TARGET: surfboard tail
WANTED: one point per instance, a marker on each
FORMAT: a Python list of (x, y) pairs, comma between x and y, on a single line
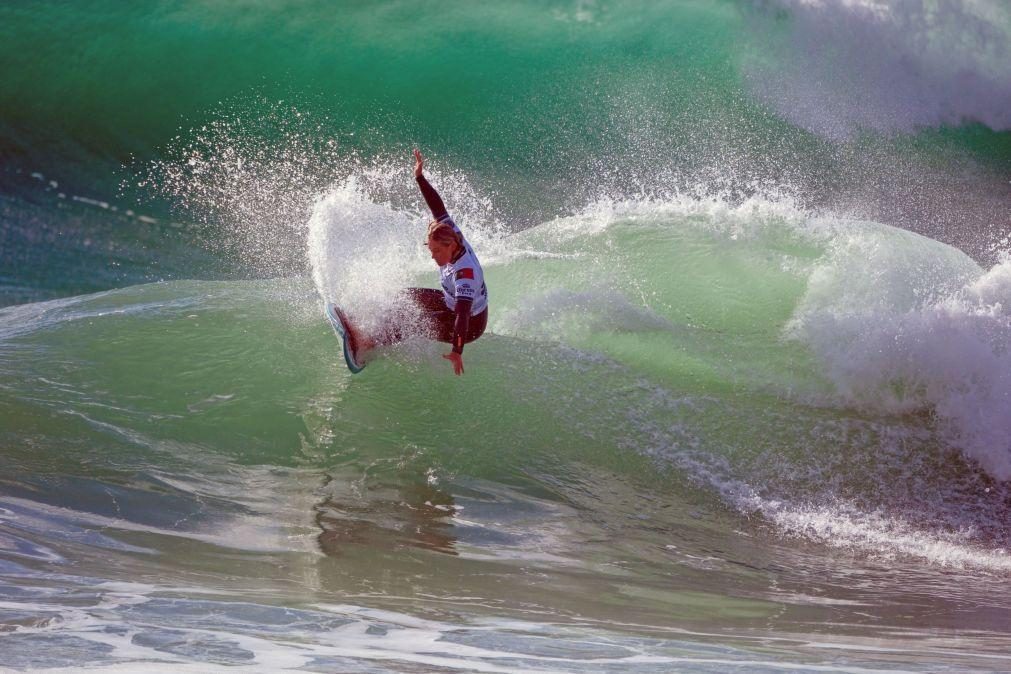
[(349, 337)]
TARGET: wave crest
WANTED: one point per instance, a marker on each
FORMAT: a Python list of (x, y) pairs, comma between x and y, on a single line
[(883, 66)]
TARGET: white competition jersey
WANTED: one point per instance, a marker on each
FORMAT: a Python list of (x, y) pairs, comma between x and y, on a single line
[(463, 278)]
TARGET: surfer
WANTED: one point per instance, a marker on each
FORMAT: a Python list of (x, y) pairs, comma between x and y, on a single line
[(458, 312)]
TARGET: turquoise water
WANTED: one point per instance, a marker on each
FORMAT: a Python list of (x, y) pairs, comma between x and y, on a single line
[(743, 400)]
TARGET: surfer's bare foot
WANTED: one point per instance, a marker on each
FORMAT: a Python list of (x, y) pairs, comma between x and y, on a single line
[(359, 342), (365, 344)]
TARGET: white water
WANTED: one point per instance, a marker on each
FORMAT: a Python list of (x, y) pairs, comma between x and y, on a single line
[(838, 67)]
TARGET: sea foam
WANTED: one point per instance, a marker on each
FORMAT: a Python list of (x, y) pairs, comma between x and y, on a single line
[(902, 324), (840, 67)]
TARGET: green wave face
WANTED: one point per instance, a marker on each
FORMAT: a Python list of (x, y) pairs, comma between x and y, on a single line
[(684, 334), (218, 119), (518, 92), (730, 391), (662, 382), (515, 79)]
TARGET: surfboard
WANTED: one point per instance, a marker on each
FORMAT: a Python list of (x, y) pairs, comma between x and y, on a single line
[(341, 326)]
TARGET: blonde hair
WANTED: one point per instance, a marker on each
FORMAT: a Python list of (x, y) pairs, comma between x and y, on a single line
[(444, 232)]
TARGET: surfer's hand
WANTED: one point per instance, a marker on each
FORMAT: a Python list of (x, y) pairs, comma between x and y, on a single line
[(419, 163), (457, 360)]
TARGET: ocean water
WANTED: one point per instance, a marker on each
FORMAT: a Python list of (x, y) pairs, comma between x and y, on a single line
[(744, 402)]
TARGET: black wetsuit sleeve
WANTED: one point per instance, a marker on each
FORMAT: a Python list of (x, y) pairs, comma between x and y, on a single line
[(461, 324), (432, 198)]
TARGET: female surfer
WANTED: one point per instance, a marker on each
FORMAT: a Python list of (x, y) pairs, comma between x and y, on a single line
[(456, 314)]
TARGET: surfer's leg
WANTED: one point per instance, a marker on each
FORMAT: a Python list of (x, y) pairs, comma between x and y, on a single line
[(415, 312), (477, 325), (359, 343), (429, 300), (444, 326)]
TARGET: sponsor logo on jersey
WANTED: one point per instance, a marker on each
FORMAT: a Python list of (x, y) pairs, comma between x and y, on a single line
[(465, 273)]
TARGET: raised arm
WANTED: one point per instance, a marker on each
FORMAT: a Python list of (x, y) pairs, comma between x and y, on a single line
[(432, 197)]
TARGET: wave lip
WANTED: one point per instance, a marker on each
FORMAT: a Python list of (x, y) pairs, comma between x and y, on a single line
[(884, 66), (925, 334)]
